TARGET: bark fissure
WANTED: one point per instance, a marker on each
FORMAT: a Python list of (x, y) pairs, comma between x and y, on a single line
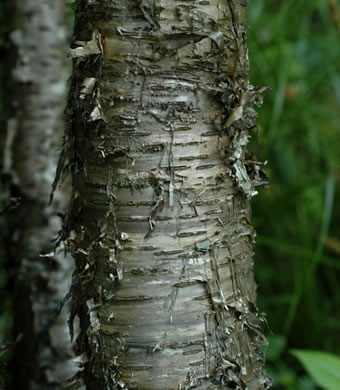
[(161, 114)]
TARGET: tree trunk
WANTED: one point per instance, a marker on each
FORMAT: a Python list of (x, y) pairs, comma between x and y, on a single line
[(159, 118), (35, 99)]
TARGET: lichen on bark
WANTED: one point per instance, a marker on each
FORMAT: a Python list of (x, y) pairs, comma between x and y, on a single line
[(160, 112)]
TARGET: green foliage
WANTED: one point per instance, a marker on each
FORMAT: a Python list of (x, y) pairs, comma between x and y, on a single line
[(293, 49), (323, 367)]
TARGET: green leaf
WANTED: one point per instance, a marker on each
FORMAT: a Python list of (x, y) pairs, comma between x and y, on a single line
[(323, 367)]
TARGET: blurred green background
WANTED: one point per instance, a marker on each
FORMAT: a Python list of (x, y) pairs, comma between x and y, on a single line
[(294, 49)]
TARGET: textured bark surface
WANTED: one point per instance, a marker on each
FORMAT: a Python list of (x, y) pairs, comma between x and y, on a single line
[(159, 118), (36, 89)]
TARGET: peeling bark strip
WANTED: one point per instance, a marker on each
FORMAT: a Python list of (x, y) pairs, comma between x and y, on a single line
[(160, 114)]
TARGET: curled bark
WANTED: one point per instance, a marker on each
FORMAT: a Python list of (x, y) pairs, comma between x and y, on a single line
[(160, 112)]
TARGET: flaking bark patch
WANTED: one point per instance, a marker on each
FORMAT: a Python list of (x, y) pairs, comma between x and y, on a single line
[(160, 118)]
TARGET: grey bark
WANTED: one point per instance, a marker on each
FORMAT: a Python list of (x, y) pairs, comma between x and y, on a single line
[(160, 112), (36, 89)]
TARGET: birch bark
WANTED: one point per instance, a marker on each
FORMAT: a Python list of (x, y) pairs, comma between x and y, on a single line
[(35, 100), (159, 119)]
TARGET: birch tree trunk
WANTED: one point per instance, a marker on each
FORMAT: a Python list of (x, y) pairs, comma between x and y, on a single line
[(35, 100), (159, 119)]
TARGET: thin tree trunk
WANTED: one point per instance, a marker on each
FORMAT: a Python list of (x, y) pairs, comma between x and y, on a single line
[(160, 113), (36, 90)]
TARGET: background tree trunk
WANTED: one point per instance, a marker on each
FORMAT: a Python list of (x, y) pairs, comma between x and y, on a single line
[(160, 114), (35, 99)]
